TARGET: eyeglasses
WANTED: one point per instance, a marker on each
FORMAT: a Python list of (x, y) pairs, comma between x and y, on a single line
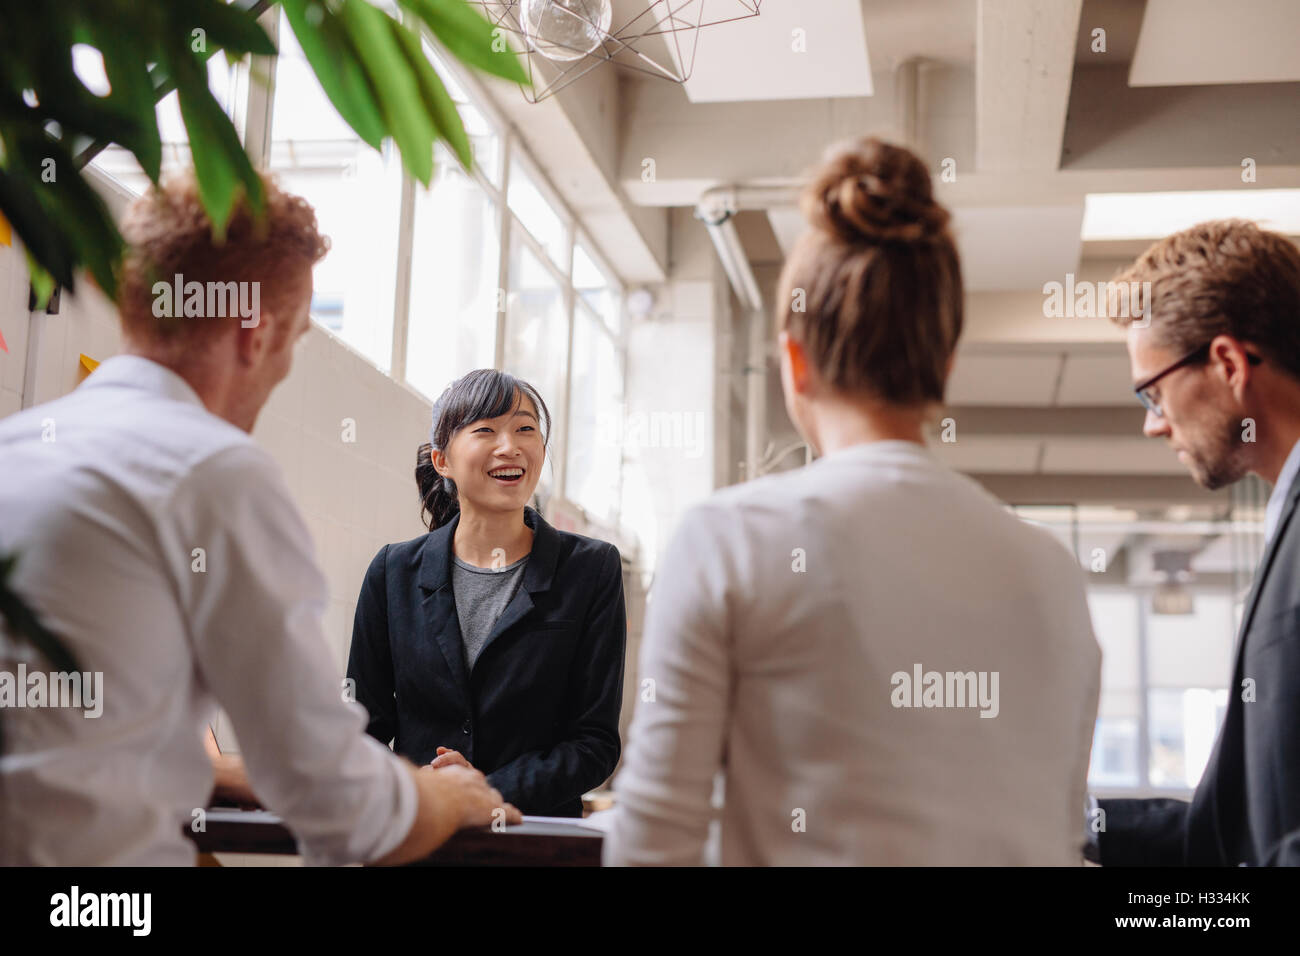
[(1144, 390)]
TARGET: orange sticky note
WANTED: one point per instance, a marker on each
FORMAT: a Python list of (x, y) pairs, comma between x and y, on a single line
[(6, 237), (3, 346), (88, 363)]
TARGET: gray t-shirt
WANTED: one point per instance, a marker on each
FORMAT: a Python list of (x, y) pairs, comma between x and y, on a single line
[(481, 595)]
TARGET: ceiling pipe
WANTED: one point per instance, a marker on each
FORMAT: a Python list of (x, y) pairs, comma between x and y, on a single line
[(716, 209)]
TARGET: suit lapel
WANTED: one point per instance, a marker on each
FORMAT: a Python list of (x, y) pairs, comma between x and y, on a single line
[(1270, 552), (438, 603)]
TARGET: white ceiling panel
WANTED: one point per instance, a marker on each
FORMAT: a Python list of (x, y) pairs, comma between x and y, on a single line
[(1096, 380), (1003, 380), (1017, 247), (787, 224), (792, 50), (1110, 456), (1203, 42)]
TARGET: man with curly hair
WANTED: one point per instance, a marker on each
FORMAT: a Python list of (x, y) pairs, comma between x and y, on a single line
[(160, 542)]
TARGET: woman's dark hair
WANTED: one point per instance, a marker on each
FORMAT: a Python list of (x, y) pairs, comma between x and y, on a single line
[(483, 393)]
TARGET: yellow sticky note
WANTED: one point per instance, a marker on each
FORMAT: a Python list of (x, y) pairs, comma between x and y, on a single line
[(88, 363), (6, 232)]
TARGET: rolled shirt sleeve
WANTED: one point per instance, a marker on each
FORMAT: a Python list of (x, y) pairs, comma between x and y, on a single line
[(255, 603)]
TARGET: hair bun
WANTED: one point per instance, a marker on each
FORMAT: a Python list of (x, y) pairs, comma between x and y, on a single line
[(871, 191)]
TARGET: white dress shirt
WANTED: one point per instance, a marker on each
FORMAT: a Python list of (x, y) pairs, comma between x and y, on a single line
[(780, 615), (106, 495), (1277, 498)]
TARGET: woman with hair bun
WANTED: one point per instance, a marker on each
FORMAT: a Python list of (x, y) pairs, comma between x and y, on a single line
[(831, 639), (494, 640)]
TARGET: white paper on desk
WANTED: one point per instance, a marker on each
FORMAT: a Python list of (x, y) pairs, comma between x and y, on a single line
[(597, 821)]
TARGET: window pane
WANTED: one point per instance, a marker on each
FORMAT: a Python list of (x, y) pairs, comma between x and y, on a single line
[(357, 195), (595, 288), (1184, 723), (1192, 650), (1114, 753), (536, 213), (537, 331), (595, 454), (454, 264)]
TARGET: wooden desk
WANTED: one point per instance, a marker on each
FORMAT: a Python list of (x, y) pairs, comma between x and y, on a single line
[(526, 844)]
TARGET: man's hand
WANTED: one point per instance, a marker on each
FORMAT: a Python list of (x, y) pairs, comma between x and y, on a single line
[(447, 757), (450, 799), (478, 801)]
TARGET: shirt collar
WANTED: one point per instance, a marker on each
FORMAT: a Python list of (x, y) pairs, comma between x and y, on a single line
[(135, 371), (1286, 477), (884, 448)]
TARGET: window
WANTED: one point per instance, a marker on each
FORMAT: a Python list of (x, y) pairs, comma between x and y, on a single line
[(537, 330), (594, 288), (537, 214), (595, 454), (357, 194), (562, 305), (456, 248), (1115, 750), (1165, 586)]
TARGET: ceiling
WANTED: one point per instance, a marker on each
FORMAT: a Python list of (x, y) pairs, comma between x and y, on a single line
[(1031, 106)]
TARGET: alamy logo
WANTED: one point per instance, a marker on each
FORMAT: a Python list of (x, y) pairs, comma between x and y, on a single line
[(946, 689), (1097, 300), (73, 689), (211, 300), (75, 908)]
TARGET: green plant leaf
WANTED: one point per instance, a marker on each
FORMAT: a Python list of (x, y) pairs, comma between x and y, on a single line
[(227, 27), (437, 101), (128, 75), (395, 82), (220, 163), (469, 36), (336, 67)]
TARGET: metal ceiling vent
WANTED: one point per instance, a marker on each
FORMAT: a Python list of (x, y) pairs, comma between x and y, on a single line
[(573, 37)]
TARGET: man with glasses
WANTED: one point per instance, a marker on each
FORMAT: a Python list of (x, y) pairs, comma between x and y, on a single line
[(1217, 366)]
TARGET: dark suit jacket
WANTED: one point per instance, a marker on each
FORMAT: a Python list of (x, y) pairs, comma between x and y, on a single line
[(1246, 808), (538, 713)]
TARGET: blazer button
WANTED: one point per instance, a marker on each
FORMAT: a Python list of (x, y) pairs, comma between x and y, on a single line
[(465, 728)]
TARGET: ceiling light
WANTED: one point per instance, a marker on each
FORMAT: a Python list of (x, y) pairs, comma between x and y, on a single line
[(573, 37), (1156, 215), (565, 30)]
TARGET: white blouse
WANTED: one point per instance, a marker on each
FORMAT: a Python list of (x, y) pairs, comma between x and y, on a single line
[(887, 666)]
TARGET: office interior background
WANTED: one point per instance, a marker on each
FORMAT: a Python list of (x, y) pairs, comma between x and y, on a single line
[(618, 244)]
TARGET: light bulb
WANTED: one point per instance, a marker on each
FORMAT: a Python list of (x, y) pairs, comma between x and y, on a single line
[(566, 30)]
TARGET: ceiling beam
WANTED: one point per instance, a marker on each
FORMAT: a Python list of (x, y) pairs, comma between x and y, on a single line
[(1024, 59)]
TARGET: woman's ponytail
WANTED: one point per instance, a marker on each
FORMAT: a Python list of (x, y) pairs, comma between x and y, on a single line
[(438, 500)]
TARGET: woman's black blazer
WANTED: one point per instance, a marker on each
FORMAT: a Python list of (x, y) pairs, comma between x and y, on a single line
[(538, 713)]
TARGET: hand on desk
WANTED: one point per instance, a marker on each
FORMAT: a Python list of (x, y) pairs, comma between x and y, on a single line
[(476, 801), (447, 757)]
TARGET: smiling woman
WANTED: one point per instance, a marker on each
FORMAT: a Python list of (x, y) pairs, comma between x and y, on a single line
[(494, 641)]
